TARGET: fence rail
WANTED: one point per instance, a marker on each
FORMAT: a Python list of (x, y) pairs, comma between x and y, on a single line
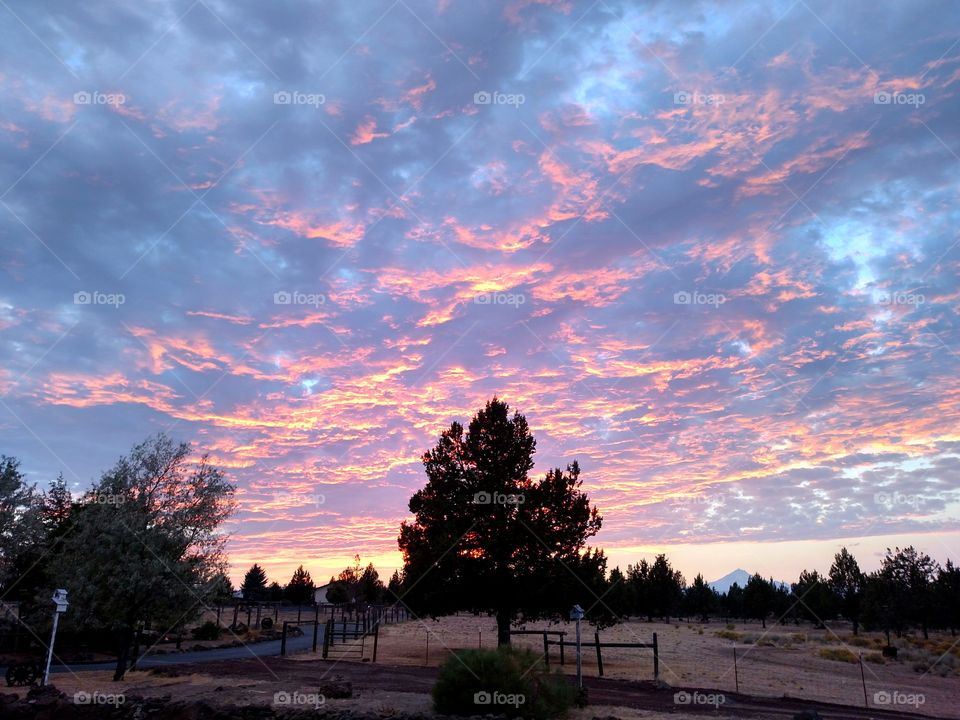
[(596, 644)]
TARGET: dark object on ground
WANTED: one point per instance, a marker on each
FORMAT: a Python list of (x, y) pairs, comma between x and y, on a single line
[(338, 687), (208, 631), (266, 623), (24, 673), (890, 651)]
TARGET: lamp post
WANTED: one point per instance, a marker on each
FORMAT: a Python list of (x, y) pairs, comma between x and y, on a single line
[(60, 606), (576, 614)]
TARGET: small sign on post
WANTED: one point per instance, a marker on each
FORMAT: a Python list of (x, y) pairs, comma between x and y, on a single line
[(576, 614), (60, 606)]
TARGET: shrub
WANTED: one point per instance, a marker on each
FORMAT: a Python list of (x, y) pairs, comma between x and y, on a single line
[(875, 658), (504, 681), (208, 631), (838, 654), (728, 635)]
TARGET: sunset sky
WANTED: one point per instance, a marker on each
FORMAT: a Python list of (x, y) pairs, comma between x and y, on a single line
[(709, 249)]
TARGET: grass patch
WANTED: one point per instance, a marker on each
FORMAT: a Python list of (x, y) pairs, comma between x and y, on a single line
[(728, 634), (837, 654)]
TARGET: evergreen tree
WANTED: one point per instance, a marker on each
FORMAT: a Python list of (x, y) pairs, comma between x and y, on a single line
[(254, 585)]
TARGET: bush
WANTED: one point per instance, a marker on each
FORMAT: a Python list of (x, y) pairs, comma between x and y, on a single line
[(504, 681), (208, 631)]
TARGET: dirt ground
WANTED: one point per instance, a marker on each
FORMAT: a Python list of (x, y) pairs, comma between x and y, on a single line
[(781, 671), (781, 661), (389, 691)]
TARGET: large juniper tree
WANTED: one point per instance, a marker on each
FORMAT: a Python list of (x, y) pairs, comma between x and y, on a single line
[(487, 537)]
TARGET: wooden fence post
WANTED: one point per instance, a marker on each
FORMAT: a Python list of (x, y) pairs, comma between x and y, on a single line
[(596, 637), (327, 637), (283, 640), (376, 640), (656, 659), (546, 652)]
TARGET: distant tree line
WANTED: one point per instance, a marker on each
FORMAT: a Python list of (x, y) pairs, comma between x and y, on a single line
[(909, 591), (351, 585)]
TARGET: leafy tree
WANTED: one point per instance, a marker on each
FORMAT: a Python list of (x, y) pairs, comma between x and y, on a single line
[(254, 585), (758, 598), (220, 589), (487, 537), (299, 590), (147, 543), (847, 581), (275, 592), (15, 496)]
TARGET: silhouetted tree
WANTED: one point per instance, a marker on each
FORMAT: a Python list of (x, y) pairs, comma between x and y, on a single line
[(665, 588), (254, 586), (813, 598), (700, 599), (638, 577), (947, 593), (275, 592), (847, 582), (758, 598), (395, 587), (487, 537), (299, 590)]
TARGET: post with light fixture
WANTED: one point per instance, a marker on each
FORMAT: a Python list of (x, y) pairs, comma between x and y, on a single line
[(576, 614), (60, 606)]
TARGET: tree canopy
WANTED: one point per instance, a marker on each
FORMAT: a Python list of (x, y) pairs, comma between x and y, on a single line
[(488, 537)]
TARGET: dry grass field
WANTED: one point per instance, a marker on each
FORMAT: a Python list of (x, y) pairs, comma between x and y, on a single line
[(783, 660)]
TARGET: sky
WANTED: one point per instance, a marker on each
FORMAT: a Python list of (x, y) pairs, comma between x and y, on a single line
[(710, 250)]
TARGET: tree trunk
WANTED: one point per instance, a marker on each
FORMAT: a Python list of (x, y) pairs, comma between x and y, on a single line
[(503, 627), (126, 636)]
